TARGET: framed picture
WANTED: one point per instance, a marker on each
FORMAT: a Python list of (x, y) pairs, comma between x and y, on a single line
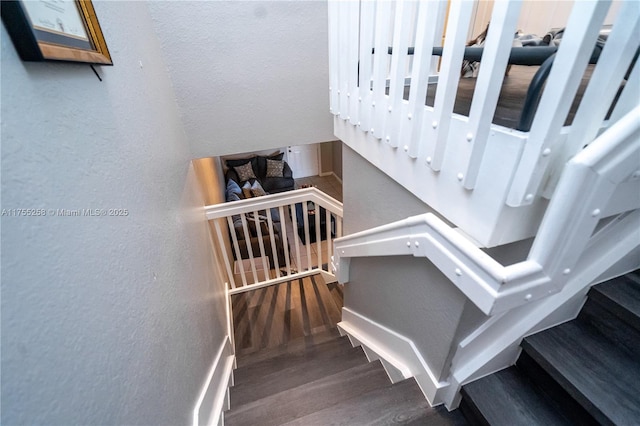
[(55, 30)]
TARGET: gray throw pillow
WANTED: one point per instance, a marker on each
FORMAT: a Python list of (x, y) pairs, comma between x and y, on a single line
[(275, 168), (245, 172), (257, 190)]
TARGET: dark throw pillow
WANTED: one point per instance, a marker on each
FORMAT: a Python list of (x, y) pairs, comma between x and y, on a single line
[(245, 172), (275, 168)]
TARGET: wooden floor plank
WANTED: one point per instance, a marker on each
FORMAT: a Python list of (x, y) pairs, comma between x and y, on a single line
[(290, 374), (274, 315), (278, 408), (304, 343), (507, 397), (596, 372), (401, 403)]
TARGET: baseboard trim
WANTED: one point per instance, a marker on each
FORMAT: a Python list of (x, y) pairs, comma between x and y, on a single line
[(390, 347), (337, 177), (214, 397)]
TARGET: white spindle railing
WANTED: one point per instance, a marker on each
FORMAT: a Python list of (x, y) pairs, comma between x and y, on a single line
[(258, 250), (469, 169), (571, 60), (591, 223)]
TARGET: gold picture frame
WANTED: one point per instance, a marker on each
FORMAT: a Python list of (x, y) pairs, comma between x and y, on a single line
[(56, 31)]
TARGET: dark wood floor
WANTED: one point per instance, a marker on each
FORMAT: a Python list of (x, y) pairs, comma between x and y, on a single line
[(272, 316), (295, 369), (512, 95)]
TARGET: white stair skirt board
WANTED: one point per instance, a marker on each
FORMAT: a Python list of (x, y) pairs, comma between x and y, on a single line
[(398, 352), (214, 397)]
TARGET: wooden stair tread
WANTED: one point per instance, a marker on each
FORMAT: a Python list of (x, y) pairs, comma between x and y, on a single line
[(299, 344), (400, 403), (509, 398), (621, 296), (601, 377), (286, 372), (291, 355), (277, 408)]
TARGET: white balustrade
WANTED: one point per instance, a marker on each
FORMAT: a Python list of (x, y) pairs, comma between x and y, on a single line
[(257, 250), (591, 223), (491, 181)]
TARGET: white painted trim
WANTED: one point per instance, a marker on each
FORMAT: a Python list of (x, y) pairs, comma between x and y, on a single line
[(337, 177), (495, 344), (488, 284), (286, 198), (213, 399), (394, 349)]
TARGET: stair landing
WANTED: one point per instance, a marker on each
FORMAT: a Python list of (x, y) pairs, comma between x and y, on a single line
[(295, 369)]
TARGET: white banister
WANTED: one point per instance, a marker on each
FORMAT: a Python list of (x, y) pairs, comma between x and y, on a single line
[(614, 62), (495, 344), (573, 55), (491, 181), (258, 261), (585, 191), (590, 225)]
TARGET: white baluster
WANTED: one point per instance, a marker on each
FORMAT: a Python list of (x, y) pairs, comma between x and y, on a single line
[(573, 54), (401, 31), (343, 62), (334, 56), (426, 37), (380, 64), (225, 255), (352, 62), (367, 17), (453, 52), (614, 61), (485, 96)]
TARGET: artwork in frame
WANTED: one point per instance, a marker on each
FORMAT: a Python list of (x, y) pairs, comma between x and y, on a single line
[(55, 30)]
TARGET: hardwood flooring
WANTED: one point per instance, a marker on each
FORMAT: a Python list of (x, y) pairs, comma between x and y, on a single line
[(585, 371), (294, 368), (512, 95), (272, 316)]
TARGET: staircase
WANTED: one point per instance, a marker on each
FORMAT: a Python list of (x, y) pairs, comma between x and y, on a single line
[(321, 379), (586, 371)]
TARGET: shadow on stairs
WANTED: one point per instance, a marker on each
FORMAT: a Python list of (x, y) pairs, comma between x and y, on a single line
[(317, 378), (585, 371)]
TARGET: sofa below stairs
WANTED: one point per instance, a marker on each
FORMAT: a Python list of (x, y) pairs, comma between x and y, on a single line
[(270, 184), (258, 163)]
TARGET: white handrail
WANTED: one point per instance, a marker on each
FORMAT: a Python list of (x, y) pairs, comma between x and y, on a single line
[(253, 216), (591, 180), (490, 285)]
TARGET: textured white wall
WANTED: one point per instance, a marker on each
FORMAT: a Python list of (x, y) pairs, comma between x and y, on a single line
[(105, 320), (248, 75)]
